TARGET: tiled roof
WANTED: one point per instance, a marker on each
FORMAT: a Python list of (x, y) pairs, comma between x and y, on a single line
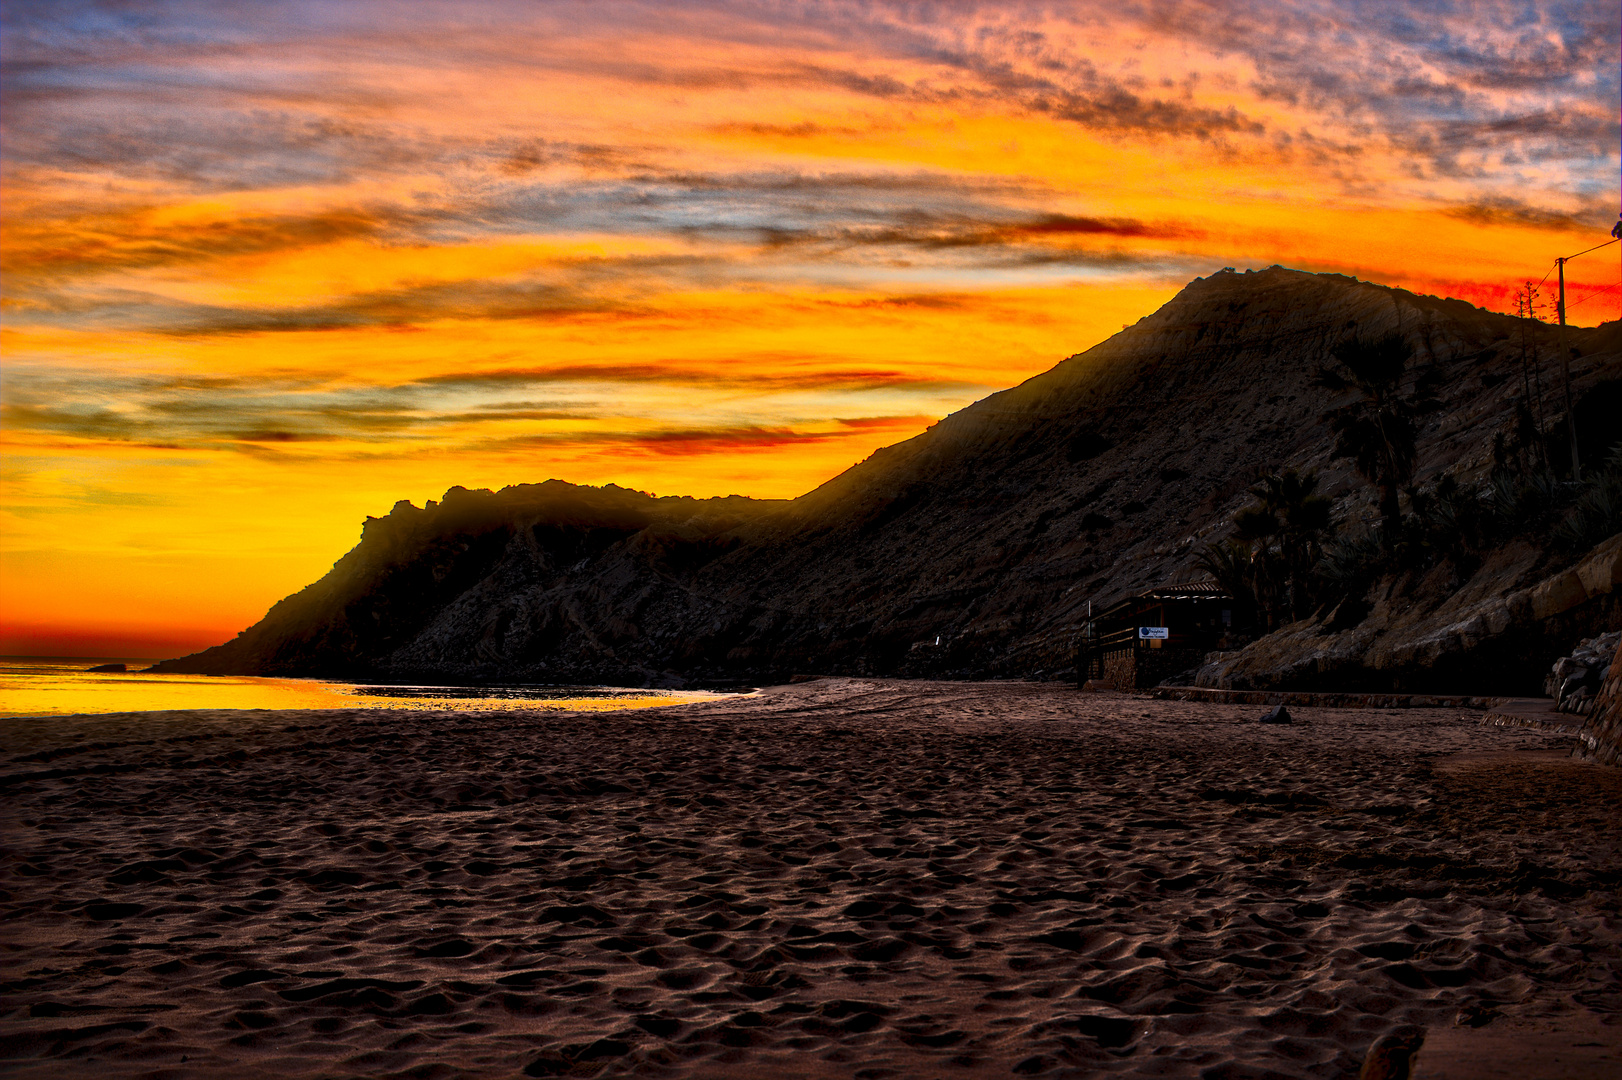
[(1188, 590)]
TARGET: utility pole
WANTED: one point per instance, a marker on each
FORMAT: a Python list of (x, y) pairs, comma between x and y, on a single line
[(1565, 373)]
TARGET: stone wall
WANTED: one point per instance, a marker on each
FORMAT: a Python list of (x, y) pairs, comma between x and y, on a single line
[(1120, 670), (1601, 737), (1139, 668), (1155, 666), (1313, 699)]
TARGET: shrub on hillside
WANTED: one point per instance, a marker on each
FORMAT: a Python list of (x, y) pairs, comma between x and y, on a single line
[(1597, 512)]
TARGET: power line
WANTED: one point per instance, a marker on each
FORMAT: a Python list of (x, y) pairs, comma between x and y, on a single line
[(1596, 247), (1556, 265), (1568, 258), (1590, 296)]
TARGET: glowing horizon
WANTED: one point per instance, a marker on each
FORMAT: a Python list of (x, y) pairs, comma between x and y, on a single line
[(270, 268)]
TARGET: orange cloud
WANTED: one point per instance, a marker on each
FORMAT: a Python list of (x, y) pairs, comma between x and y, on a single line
[(256, 260)]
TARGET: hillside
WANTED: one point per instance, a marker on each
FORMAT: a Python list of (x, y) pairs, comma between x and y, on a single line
[(992, 531)]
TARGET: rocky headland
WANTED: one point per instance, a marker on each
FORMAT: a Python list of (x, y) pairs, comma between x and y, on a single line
[(978, 548)]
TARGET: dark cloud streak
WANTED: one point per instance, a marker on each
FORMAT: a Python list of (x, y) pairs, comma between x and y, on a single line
[(227, 413), (134, 240), (769, 374)]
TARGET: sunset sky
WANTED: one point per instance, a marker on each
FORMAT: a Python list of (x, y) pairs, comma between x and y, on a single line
[(270, 267)]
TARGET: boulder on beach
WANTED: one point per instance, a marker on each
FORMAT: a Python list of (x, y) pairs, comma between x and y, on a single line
[(1574, 681), (1392, 1055)]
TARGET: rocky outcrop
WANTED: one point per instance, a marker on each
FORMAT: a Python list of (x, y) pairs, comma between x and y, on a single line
[(1575, 681), (519, 583), (1477, 636), (981, 542), (1601, 737)]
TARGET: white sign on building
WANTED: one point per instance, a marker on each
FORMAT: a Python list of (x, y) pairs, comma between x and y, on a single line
[(1154, 633)]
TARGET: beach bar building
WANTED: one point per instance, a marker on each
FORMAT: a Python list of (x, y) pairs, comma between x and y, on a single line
[(1154, 635)]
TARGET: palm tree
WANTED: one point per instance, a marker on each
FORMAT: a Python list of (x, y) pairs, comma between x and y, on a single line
[(1378, 428), (1230, 566), (1286, 511), (1302, 518)]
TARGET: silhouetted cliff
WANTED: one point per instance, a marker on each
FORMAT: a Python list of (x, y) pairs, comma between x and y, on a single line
[(991, 531)]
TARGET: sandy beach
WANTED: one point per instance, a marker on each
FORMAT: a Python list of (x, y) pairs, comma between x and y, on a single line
[(840, 878)]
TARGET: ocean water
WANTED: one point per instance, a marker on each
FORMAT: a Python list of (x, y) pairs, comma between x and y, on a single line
[(62, 685)]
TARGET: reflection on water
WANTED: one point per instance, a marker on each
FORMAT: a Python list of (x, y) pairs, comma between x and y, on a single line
[(62, 685), (512, 693)]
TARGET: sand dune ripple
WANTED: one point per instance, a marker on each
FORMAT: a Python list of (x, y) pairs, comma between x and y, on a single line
[(841, 878)]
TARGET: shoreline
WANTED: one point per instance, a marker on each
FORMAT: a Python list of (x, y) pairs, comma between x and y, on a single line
[(34, 690), (914, 879)]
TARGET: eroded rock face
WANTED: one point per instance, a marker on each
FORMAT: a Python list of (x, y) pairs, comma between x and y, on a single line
[(1601, 737), (1575, 681), (1489, 635), (986, 536)]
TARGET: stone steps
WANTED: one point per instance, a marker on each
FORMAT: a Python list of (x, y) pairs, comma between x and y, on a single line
[(1533, 713)]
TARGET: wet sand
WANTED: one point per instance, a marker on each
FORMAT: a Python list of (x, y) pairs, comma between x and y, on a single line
[(842, 878)]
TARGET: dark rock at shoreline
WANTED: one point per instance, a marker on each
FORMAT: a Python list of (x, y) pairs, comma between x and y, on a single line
[(1575, 680), (981, 536), (109, 668), (1601, 737)]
